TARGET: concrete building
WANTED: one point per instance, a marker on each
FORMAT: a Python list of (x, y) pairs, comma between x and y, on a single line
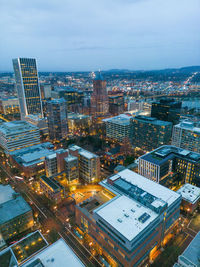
[(186, 135), (99, 98), (72, 168), (89, 164), (31, 160), (190, 197), (15, 214), (28, 88), (150, 133), (9, 105), (165, 160), (131, 221), (52, 189), (57, 118), (18, 134), (41, 123), (77, 123), (55, 163), (46, 90), (190, 256), (119, 127), (166, 110), (58, 254)]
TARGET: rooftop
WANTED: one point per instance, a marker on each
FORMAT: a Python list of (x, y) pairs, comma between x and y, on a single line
[(121, 119), (188, 125), (6, 193), (87, 154), (50, 182), (167, 152), (12, 207), (70, 158), (159, 193), (190, 193), (128, 217), (32, 155), (56, 255), (14, 127), (151, 120), (76, 116), (192, 253)]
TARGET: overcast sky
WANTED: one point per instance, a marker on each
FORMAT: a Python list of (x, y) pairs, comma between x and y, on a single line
[(70, 35)]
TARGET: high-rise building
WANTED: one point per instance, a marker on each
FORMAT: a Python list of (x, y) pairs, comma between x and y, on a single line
[(89, 164), (27, 85), (57, 118), (167, 160), (129, 219), (71, 168), (166, 110), (150, 133), (99, 100), (119, 127), (18, 134), (186, 135), (116, 104)]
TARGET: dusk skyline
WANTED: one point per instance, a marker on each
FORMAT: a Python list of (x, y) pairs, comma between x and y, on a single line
[(88, 35)]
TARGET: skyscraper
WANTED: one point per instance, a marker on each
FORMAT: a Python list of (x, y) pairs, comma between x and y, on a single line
[(99, 101), (27, 85), (57, 118)]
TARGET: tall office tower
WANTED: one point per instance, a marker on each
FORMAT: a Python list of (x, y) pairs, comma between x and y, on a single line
[(186, 135), (99, 100), (28, 88), (57, 118), (150, 133), (166, 110)]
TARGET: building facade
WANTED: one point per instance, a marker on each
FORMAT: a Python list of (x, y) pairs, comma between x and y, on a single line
[(57, 118), (166, 160), (166, 110), (72, 168), (116, 105), (18, 134), (89, 164), (52, 189), (27, 85), (186, 135), (9, 105), (131, 223), (99, 98), (119, 127), (16, 215), (150, 133)]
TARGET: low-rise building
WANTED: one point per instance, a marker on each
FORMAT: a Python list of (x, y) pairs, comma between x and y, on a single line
[(130, 222), (190, 197), (52, 189), (31, 160), (18, 134), (15, 214), (186, 135), (119, 127), (165, 160), (190, 256)]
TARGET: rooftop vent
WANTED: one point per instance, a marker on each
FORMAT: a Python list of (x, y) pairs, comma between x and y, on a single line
[(126, 215), (133, 210), (119, 220)]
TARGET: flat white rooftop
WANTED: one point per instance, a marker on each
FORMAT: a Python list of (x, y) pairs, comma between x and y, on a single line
[(190, 193), (59, 254), (6, 193), (87, 154), (149, 186), (127, 216), (121, 119)]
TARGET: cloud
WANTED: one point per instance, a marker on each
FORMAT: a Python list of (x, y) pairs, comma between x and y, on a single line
[(77, 34)]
